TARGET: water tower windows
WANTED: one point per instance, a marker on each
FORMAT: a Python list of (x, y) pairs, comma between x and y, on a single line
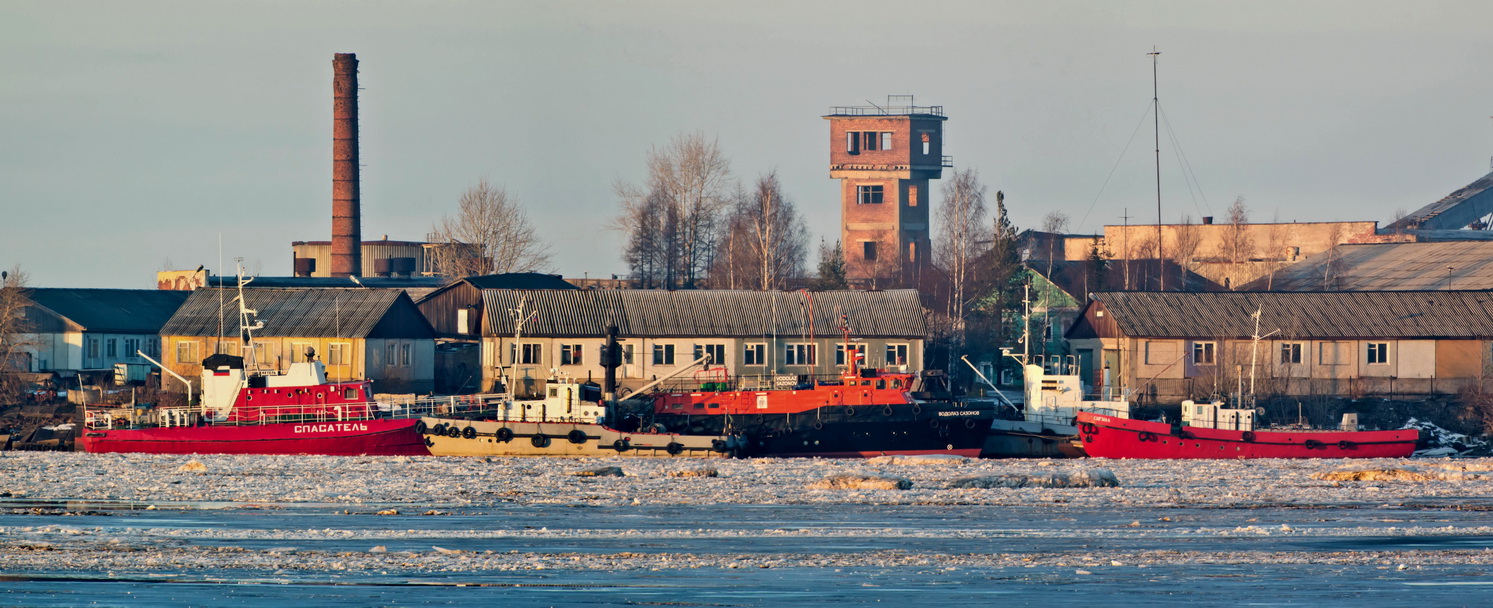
[(912, 252), (855, 141), (927, 144), (869, 195), (868, 250), (912, 195)]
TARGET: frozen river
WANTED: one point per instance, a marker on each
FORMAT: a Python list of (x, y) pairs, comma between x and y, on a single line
[(131, 530)]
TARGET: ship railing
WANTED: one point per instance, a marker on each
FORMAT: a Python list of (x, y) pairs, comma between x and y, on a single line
[(461, 406)]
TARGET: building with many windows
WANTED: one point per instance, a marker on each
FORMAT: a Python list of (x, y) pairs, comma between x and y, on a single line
[(765, 337), (1168, 346), (83, 331)]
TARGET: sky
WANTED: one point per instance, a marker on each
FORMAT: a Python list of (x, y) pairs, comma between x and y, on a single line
[(149, 135)]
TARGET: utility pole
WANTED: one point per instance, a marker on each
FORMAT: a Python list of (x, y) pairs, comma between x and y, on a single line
[(1156, 132)]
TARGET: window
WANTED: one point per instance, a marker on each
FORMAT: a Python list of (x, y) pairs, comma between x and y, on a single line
[(339, 354), (461, 321), (858, 349), (1290, 353), (1202, 353), (404, 355), (570, 354), (1378, 353), (131, 346), (869, 195), (186, 352), (265, 353), (526, 354), (391, 354), (799, 354), (927, 144), (301, 352), (663, 354), (912, 252), (228, 348), (896, 354), (754, 354), (626, 354), (93, 348), (868, 250), (852, 142), (869, 140), (717, 352), (111, 348), (153, 347), (912, 195), (886, 140)]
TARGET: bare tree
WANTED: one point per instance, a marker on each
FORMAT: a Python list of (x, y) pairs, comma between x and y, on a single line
[(1275, 256), (1238, 246), (490, 234), (16, 340), (1189, 238), (962, 241), (766, 240), (1054, 224), (684, 202)]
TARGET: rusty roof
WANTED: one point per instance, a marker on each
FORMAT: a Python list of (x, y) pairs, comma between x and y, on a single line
[(1461, 265), (721, 313), (1333, 315)]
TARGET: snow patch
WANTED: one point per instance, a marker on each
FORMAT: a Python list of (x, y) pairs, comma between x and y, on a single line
[(1091, 478), (861, 482)]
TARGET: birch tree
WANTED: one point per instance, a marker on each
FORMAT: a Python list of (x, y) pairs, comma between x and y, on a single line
[(16, 341), (489, 234), (963, 240), (683, 204), (766, 240)]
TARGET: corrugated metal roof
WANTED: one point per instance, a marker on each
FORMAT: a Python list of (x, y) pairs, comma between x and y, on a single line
[(1461, 265), (520, 280), (1382, 314), (124, 311), (1469, 196), (657, 313), (341, 313)]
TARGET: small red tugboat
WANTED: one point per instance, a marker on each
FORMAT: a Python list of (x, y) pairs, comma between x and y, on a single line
[(249, 412), (1210, 431)]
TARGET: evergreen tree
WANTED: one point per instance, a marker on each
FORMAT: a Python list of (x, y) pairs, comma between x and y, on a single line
[(831, 267)]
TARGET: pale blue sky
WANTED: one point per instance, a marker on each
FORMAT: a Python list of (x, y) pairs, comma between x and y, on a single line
[(133, 133)]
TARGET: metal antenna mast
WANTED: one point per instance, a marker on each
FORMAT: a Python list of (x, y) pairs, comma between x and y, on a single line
[(1156, 131)]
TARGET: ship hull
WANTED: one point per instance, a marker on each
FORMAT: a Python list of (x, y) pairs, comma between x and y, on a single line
[(451, 437), (840, 432), (1109, 437), (1023, 439), (377, 437)]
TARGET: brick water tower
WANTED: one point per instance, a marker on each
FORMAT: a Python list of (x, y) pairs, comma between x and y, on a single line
[(884, 157)]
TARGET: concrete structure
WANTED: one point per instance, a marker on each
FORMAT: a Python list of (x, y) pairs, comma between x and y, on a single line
[(1173, 346), (1466, 208), (376, 334), (884, 158), (347, 221), (1233, 254)]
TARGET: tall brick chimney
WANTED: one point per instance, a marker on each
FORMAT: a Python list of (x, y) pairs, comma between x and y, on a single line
[(347, 218)]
